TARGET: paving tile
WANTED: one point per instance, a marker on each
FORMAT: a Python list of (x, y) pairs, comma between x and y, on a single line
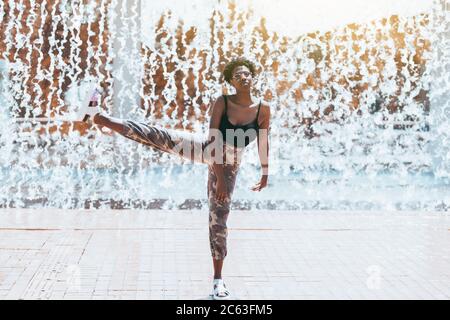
[(271, 255)]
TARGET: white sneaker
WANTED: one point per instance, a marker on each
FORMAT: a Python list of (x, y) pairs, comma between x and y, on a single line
[(220, 291), (90, 102)]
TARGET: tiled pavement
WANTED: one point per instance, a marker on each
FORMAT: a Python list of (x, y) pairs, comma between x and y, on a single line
[(59, 254)]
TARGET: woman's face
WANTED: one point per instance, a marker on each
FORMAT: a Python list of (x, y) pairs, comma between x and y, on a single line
[(242, 78)]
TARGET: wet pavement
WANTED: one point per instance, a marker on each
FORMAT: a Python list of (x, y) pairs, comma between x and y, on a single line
[(157, 254)]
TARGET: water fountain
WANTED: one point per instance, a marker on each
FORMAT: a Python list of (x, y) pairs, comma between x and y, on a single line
[(360, 112)]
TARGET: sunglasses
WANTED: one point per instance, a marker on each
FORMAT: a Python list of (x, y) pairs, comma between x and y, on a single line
[(238, 75)]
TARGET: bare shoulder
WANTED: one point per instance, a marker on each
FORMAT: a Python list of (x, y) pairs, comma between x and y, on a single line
[(217, 105), (265, 109), (264, 115), (219, 100)]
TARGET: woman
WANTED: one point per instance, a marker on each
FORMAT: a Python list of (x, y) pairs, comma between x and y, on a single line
[(236, 120)]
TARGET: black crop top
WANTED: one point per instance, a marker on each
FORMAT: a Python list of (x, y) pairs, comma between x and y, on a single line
[(238, 135)]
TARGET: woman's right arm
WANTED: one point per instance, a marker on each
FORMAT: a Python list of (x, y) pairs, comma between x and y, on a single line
[(216, 115)]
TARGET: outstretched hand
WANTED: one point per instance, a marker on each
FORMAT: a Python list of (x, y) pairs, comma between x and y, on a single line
[(261, 184)]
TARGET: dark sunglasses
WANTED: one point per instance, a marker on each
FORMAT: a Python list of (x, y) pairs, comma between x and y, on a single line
[(238, 75)]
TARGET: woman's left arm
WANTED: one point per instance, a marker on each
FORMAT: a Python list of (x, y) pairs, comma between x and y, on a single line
[(263, 147)]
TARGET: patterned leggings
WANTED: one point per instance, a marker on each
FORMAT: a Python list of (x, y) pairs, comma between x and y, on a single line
[(193, 148)]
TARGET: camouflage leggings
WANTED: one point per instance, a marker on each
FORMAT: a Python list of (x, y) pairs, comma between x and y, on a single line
[(166, 140)]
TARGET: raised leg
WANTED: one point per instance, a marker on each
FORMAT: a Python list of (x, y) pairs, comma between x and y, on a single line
[(114, 124), (184, 144)]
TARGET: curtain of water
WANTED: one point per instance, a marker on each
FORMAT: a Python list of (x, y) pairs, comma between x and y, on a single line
[(359, 112), (439, 74)]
